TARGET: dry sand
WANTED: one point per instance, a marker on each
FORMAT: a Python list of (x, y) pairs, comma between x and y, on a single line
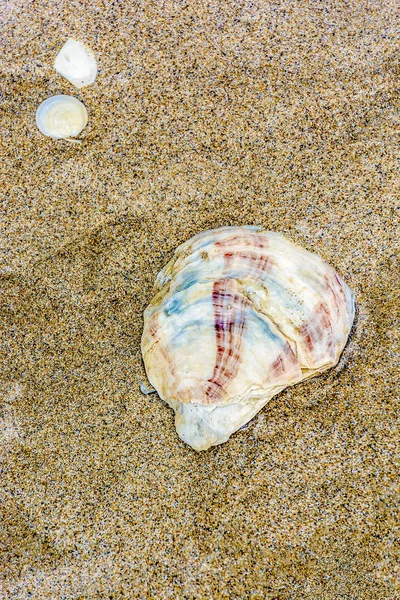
[(284, 114)]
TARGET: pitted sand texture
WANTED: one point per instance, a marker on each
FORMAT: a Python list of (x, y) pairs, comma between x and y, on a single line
[(203, 114)]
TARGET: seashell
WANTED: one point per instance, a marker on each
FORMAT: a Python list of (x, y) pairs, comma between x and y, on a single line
[(146, 389), (239, 314), (61, 117), (77, 63)]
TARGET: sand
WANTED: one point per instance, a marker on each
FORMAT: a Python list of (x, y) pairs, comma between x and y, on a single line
[(203, 114)]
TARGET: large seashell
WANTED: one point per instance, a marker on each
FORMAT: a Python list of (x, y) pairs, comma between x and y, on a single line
[(239, 314), (77, 63), (61, 117)]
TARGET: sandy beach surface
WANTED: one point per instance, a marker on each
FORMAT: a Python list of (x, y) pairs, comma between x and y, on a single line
[(281, 114)]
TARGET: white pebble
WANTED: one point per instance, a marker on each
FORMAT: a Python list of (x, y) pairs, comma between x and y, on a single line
[(77, 63)]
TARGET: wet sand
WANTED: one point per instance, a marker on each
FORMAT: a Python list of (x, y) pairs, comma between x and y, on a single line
[(204, 114)]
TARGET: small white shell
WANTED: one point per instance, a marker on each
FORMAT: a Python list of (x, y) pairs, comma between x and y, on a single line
[(77, 63), (61, 117)]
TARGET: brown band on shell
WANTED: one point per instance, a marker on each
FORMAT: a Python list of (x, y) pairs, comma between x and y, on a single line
[(318, 327), (283, 363), (229, 323)]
